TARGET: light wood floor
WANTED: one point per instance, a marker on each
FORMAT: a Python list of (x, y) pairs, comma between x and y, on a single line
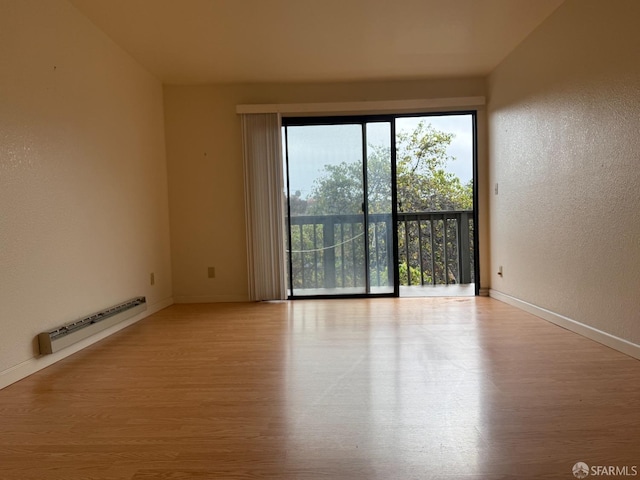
[(345, 389)]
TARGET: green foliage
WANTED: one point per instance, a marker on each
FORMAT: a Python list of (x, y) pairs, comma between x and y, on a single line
[(297, 205), (422, 182), (415, 274), (339, 191)]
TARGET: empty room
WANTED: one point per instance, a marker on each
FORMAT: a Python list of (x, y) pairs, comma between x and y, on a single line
[(292, 239)]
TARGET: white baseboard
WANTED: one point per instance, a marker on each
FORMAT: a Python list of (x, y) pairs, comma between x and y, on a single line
[(599, 336), (212, 299), (31, 366)]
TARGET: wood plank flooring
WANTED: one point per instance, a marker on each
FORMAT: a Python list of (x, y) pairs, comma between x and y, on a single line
[(343, 389)]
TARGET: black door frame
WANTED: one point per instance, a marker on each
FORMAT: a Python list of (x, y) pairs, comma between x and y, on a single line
[(363, 120)]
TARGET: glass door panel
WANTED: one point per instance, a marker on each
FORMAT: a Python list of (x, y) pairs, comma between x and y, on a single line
[(379, 208), (435, 204), (327, 237)]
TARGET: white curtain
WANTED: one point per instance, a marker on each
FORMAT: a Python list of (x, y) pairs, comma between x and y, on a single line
[(264, 206)]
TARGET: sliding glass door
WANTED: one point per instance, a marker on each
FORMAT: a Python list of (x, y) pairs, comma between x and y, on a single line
[(339, 208), (381, 205)]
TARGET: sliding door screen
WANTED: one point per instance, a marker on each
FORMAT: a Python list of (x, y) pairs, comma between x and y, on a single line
[(326, 222)]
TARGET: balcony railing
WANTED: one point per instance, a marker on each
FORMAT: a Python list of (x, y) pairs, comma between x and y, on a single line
[(329, 251)]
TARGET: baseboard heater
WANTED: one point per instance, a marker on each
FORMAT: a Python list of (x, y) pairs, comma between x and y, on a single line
[(73, 332)]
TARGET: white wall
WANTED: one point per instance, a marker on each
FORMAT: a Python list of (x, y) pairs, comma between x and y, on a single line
[(564, 119), (83, 185), (204, 154)]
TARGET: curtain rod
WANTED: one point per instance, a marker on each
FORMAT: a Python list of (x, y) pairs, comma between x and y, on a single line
[(396, 106)]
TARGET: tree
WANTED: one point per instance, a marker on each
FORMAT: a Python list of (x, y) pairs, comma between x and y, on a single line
[(297, 205), (422, 182)]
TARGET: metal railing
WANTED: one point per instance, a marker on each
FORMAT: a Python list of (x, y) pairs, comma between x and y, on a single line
[(329, 251)]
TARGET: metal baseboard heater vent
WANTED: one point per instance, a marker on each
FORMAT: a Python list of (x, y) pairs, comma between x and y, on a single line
[(55, 340)]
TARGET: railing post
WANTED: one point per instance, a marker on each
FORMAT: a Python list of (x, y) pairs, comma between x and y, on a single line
[(329, 254), (406, 248), (391, 268), (419, 222), (464, 248), (444, 249)]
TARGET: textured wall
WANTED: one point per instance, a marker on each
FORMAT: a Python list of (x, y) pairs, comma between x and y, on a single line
[(564, 117), (83, 188), (204, 155)]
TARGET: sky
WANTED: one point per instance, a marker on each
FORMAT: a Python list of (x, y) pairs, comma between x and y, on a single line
[(313, 147)]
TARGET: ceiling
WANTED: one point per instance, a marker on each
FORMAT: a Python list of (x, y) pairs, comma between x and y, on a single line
[(225, 41)]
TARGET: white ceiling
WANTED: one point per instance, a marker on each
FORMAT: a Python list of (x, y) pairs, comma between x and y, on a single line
[(213, 41)]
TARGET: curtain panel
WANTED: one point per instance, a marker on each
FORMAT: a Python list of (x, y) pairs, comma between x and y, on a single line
[(264, 206)]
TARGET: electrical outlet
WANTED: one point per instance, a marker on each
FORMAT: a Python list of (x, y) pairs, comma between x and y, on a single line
[(211, 271), (152, 278)]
